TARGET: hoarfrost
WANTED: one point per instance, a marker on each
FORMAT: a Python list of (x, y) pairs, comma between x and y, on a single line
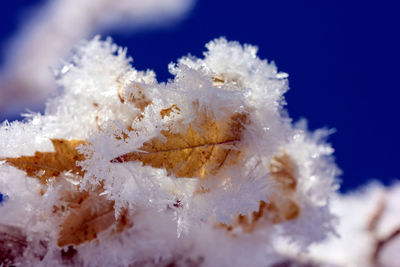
[(265, 201)]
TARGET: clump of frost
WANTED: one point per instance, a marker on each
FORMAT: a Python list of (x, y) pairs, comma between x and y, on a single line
[(230, 79)]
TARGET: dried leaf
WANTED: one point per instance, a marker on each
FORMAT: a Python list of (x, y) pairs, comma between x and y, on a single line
[(282, 205), (88, 215), (202, 149), (44, 165), (282, 171)]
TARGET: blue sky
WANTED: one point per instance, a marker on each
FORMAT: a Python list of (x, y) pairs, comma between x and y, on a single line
[(342, 58)]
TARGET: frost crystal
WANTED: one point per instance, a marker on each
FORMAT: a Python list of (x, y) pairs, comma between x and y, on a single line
[(204, 170)]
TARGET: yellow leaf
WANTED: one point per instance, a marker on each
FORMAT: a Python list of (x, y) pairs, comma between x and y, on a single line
[(44, 165), (87, 214), (206, 146)]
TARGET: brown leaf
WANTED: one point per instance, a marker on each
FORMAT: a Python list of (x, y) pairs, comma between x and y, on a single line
[(202, 149), (282, 205), (282, 171), (88, 215), (44, 165)]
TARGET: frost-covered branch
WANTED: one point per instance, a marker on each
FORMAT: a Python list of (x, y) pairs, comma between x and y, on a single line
[(204, 170)]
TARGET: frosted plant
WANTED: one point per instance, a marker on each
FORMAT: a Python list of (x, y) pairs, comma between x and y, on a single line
[(26, 78), (204, 170)]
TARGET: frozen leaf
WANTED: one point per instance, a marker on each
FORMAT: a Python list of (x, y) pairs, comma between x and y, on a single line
[(206, 146), (282, 171), (281, 205), (282, 202), (89, 214), (44, 165)]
